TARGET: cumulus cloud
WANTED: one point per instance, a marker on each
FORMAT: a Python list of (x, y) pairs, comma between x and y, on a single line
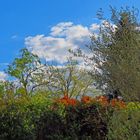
[(94, 27), (3, 76), (60, 28), (62, 37)]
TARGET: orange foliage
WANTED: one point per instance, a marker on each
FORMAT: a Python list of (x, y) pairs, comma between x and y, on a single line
[(113, 102), (68, 101), (103, 100), (86, 99), (117, 103)]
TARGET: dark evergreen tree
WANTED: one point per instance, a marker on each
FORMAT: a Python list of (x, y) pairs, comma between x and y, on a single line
[(116, 54)]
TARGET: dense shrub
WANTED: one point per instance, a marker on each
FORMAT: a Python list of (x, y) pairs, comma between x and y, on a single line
[(125, 124), (39, 118), (51, 126), (15, 124), (87, 118), (18, 117), (88, 121)]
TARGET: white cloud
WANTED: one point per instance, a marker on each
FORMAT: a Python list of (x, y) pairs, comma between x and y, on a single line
[(94, 27), (3, 76), (49, 48), (62, 37), (60, 28)]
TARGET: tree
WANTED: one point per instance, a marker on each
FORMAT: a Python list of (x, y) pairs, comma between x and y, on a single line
[(28, 70), (69, 80), (115, 52)]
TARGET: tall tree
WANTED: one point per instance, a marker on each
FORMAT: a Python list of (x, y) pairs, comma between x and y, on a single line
[(70, 80), (116, 54), (28, 70)]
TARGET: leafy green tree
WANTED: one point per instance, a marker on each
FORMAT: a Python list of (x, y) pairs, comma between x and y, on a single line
[(115, 54), (28, 70)]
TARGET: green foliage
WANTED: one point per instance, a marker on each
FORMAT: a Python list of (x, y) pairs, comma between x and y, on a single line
[(133, 105), (19, 117), (51, 126), (39, 117), (125, 124), (117, 54), (27, 69), (15, 124), (7, 93), (22, 64), (114, 57)]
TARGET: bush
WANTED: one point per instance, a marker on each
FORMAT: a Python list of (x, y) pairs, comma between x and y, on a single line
[(51, 126), (15, 124), (88, 121), (18, 117), (125, 124), (88, 118), (40, 118)]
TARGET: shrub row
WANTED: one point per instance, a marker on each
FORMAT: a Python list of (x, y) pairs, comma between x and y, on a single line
[(38, 118)]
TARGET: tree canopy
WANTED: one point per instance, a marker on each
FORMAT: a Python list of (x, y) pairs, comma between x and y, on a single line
[(115, 60), (27, 69)]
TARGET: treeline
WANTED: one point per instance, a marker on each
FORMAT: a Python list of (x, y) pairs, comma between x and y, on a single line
[(29, 76)]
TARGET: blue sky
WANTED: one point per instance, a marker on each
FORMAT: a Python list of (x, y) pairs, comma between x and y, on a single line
[(22, 20)]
